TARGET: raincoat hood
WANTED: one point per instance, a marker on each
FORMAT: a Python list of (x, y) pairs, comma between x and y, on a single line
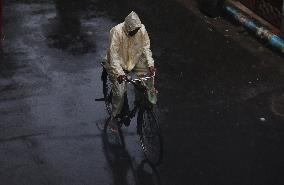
[(132, 22)]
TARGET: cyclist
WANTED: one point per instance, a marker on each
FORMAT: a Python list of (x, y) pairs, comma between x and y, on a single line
[(128, 50)]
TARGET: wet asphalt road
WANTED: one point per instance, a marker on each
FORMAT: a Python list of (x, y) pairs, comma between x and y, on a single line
[(221, 107)]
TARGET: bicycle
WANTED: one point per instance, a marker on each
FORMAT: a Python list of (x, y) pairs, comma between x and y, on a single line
[(148, 129)]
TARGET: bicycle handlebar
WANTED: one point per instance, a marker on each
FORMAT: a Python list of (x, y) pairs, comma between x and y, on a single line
[(130, 80), (134, 81)]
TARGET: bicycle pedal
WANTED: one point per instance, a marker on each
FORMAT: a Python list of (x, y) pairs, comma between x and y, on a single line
[(100, 99)]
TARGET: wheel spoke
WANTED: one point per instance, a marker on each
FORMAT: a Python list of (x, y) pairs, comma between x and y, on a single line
[(150, 138)]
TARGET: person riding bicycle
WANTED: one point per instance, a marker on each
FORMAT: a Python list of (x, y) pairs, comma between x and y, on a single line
[(128, 50)]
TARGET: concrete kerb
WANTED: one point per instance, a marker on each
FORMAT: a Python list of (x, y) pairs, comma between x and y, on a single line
[(254, 26)]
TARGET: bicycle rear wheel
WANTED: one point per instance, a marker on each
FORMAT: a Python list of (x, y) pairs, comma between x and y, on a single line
[(150, 136), (107, 92)]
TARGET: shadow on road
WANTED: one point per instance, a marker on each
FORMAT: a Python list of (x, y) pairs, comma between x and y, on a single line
[(123, 168)]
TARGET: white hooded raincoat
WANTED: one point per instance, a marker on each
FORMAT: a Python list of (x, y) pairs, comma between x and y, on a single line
[(127, 53)]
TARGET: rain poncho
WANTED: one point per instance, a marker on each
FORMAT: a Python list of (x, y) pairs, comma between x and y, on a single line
[(127, 53)]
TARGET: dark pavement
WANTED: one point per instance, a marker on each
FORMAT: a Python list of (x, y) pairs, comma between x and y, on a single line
[(221, 107)]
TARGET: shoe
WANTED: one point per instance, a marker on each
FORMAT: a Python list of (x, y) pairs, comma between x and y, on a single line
[(113, 124)]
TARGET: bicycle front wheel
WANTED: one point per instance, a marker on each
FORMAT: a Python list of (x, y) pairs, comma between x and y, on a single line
[(150, 136)]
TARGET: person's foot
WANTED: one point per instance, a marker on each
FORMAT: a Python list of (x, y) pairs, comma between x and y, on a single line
[(113, 125)]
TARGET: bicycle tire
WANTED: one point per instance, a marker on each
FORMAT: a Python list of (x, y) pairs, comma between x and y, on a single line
[(107, 92), (150, 131)]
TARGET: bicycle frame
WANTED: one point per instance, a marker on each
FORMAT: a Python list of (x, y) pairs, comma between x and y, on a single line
[(143, 103), (144, 106), (139, 86)]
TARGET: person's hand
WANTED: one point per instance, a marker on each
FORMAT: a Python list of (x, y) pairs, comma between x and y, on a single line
[(152, 71), (121, 78)]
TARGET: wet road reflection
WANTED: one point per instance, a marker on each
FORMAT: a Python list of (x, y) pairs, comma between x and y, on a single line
[(221, 107), (66, 32)]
